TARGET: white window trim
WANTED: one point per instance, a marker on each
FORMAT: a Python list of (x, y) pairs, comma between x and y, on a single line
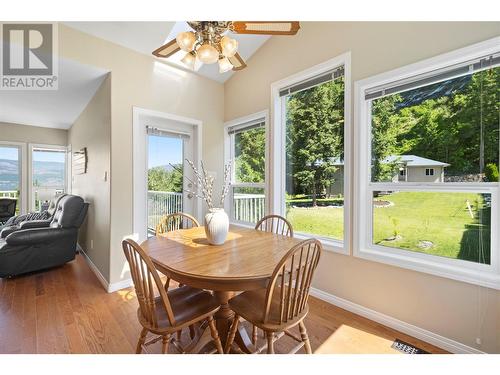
[(22, 154), (228, 155), (480, 274), (67, 171), (277, 134)]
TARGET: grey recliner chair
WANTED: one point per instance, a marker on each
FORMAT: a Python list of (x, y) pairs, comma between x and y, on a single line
[(14, 222), (39, 244)]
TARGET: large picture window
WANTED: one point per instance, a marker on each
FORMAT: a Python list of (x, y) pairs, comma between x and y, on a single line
[(428, 166), (246, 150), (311, 171)]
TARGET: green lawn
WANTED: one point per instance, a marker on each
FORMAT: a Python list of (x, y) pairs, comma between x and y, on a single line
[(433, 223), (442, 219), (323, 221)]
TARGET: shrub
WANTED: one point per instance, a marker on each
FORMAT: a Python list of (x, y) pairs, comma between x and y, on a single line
[(491, 172)]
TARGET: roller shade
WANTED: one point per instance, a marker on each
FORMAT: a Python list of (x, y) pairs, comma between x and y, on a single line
[(436, 76), (151, 130), (314, 81), (259, 123)]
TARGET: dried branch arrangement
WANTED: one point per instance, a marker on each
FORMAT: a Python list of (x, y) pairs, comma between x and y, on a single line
[(203, 184)]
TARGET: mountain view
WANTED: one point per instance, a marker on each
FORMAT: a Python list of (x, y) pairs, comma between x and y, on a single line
[(46, 173)]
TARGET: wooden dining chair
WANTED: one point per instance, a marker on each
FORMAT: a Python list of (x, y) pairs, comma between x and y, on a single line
[(176, 221), (163, 312), (275, 224), (283, 304)]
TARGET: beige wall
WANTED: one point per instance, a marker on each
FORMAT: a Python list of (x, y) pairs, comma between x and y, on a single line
[(460, 311), (32, 134), (137, 80), (92, 130)]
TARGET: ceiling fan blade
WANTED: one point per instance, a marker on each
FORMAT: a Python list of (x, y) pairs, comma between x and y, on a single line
[(167, 50), (266, 27), (237, 61)]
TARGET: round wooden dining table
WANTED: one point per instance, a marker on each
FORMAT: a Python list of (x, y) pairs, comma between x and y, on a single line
[(244, 262)]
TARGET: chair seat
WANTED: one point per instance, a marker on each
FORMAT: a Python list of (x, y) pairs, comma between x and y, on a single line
[(187, 303), (251, 306)]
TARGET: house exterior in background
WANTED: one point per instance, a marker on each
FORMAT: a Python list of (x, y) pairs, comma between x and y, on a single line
[(411, 168), (414, 168)]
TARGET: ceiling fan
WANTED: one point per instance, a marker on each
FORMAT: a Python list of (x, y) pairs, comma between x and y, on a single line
[(209, 41)]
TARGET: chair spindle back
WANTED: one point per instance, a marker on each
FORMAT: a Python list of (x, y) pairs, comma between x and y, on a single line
[(292, 280), (146, 283), (175, 221), (275, 224)]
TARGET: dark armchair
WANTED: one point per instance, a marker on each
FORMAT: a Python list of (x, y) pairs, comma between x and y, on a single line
[(14, 223), (7, 209), (41, 244)]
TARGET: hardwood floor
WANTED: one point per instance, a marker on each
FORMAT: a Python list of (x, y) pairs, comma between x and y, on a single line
[(66, 310)]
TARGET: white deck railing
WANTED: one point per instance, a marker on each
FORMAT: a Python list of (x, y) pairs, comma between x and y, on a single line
[(162, 203), (9, 194), (248, 207)]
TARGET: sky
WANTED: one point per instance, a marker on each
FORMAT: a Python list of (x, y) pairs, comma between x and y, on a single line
[(11, 153), (49, 156), (164, 150)]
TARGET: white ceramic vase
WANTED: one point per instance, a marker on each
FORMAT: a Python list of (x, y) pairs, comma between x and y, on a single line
[(216, 226)]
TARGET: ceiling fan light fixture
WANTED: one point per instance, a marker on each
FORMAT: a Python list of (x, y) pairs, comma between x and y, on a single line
[(207, 54), (224, 65), (189, 60), (186, 40), (229, 46)]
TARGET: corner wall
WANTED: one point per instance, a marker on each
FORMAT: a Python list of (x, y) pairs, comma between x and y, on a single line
[(92, 130), (456, 310)]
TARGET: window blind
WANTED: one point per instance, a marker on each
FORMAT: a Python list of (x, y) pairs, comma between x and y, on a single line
[(254, 124), (151, 130), (436, 76), (314, 81)]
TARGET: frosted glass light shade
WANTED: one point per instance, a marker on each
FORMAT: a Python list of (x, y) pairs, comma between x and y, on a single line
[(224, 65), (189, 60), (208, 54), (229, 46), (186, 40)]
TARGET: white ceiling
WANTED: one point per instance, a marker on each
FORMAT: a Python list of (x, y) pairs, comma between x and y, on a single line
[(145, 37), (53, 108)]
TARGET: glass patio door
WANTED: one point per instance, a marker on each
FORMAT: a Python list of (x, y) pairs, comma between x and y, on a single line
[(167, 151)]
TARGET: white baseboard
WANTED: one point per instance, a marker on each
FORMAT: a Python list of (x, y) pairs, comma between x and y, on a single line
[(94, 269), (109, 287), (113, 287), (422, 334)]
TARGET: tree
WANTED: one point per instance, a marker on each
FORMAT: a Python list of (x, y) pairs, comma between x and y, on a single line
[(456, 121), (385, 129), (250, 155), (315, 136), (161, 179)]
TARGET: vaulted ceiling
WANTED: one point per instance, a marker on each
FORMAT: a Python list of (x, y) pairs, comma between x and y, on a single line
[(144, 37)]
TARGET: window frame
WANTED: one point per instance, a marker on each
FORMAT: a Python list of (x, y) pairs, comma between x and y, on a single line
[(278, 162), (229, 156), (466, 271)]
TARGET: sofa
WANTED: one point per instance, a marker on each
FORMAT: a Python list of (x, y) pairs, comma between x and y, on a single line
[(14, 222), (40, 244)]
